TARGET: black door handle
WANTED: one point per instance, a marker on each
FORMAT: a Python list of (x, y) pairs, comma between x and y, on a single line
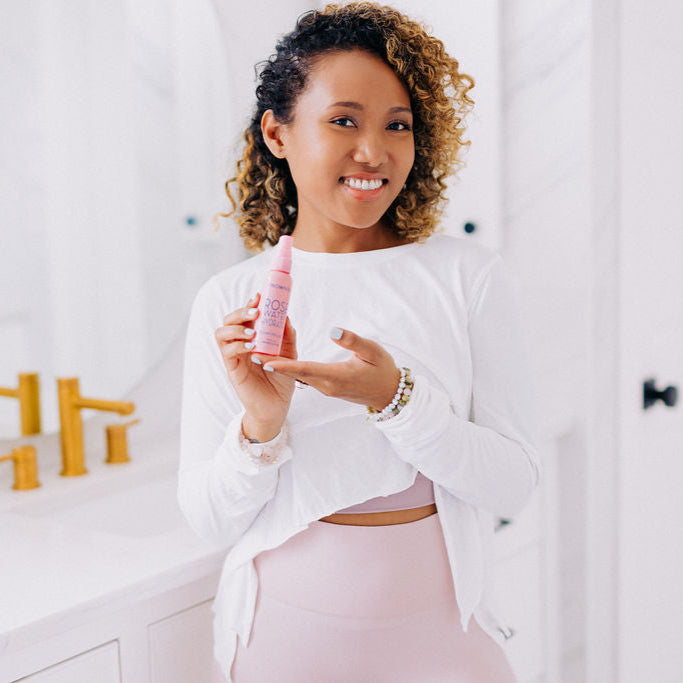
[(651, 395)]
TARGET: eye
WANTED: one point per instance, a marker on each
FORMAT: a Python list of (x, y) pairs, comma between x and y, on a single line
[(405, 125), (343, 118)]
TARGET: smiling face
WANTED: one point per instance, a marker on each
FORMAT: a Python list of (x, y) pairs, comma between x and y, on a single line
[(352, 121)]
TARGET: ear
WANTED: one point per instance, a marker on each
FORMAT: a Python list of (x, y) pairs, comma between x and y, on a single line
[(273, 134)]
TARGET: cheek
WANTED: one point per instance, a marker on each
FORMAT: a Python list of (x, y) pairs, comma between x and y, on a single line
[(321, 166), (408, 154), (304, 171)]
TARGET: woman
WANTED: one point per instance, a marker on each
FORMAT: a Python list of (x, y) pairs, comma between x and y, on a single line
[(359, 510)]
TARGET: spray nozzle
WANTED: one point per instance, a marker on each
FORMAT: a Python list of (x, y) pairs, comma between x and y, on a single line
[(282, 260)]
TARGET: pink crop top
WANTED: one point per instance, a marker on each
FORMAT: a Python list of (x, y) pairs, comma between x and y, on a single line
[(415, 496)]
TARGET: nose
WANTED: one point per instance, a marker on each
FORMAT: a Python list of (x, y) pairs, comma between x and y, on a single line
[(370, 150)]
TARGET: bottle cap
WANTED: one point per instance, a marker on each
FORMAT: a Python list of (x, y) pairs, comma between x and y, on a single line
[(282, 259)]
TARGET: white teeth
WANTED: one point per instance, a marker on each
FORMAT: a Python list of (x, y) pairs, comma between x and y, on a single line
[(359, 184)]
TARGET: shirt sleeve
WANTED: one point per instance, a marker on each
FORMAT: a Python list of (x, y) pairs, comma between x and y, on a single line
[(491, 460), (221, 488)]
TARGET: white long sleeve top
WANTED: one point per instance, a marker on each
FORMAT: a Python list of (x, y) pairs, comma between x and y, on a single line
[(447, 309)]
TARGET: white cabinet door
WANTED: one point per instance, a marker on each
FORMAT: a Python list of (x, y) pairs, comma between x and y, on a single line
[(650, 507), (635, 553), (181, 646), (100, 664)]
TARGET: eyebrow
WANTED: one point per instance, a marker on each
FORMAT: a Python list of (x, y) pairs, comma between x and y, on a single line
[(358, 105)]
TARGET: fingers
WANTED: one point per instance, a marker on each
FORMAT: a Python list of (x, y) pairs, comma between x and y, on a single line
[(313, 372), (364, 348), (289, 335), (287, 347), (247, 313), (230, 333), (309, 373), (237, 334)]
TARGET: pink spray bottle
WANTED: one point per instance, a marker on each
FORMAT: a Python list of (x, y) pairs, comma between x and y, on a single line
[(270, 324)]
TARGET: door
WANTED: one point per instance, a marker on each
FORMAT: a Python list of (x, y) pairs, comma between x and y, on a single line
[(649, 508)]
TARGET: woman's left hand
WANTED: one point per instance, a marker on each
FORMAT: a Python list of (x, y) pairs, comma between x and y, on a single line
[(370, 377)]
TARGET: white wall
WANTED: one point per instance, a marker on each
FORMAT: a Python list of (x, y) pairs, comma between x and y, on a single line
[(548, 236)]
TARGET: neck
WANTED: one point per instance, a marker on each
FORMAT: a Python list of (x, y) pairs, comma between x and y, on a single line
[(349, 240)]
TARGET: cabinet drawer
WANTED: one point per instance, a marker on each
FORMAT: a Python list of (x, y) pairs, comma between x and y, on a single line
[(100, 664)]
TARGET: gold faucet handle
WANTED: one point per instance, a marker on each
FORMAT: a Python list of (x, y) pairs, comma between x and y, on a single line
[(117, 442), (25, 467), (28, 393)]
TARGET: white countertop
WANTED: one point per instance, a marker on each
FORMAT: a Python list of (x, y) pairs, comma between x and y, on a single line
[(78, 544)]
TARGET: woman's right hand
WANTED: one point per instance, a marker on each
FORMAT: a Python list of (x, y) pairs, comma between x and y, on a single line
[(265, 396)]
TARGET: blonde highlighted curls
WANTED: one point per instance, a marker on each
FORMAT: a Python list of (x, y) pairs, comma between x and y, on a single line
[(439, 99)]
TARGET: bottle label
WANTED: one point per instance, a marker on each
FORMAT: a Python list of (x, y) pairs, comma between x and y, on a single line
[(274, 309)]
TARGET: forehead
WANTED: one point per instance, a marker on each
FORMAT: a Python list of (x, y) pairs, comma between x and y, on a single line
[(354, 75)]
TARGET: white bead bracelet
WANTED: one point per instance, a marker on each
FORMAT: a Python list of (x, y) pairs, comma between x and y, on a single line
[(402, 396)]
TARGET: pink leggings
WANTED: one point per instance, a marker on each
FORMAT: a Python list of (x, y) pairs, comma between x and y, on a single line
[(368, 604)]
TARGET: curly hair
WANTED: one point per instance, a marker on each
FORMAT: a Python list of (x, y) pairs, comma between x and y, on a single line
[(439, 100)]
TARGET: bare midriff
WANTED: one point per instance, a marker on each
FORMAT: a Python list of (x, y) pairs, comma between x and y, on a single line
[(381, 518)]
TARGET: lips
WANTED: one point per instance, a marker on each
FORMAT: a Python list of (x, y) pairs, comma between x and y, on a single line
[(365, 176), (363, 195)]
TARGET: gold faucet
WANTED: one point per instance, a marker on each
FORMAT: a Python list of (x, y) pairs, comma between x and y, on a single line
[(28, 393), (25, 467), (71, 423), (117, 442)]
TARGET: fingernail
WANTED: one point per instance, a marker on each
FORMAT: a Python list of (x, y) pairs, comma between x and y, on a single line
[(267, 367), (252, 311), (249, 332), (336, 333), (249, 346), (256, 360)]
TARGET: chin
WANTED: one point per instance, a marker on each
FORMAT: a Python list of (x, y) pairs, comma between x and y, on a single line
[(362, 219), (360, 225)]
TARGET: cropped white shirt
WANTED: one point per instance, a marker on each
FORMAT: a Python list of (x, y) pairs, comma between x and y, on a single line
[(447, 309)]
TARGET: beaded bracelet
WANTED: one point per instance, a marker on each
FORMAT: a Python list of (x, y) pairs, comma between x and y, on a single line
[(265, 454), (402, 396)]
